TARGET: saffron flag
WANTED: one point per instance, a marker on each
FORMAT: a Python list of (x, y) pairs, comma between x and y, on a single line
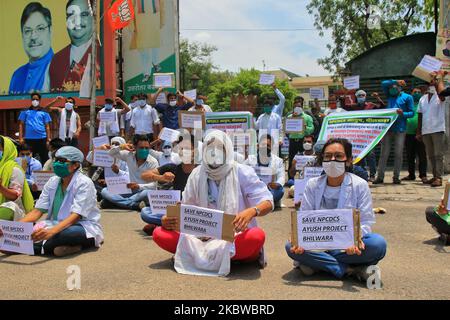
[(120, 14)]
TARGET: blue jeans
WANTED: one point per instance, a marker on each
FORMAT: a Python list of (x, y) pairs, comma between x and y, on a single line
[(148, 217), (290, 183), (74, 235), (370, 160), (277, 193), (336, 262), (125, 201)]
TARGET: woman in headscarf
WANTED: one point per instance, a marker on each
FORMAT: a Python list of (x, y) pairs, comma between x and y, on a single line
[(15, 195), (223, 184), (69, 200)]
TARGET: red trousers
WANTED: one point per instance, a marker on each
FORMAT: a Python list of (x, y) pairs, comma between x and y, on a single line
[(248, 243)]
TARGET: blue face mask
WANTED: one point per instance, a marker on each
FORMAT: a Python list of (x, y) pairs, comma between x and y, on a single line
[(28, 158), (199, 102), (361, 100), (108, 107), (1, 155)]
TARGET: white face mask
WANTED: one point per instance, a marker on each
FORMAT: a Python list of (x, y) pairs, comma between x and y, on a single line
[(167, 151), (173, 103), (68, 106), (334, 169), (35, 103), (307, 146), (215, 157), (298, 110)]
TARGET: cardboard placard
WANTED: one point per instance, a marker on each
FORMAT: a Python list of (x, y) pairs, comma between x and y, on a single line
[(191, 119), (266, 79), (427, 65), (351, 83), (163, 80), (41, 178), (160, 199), (170, 135), (16, 237), (227, 230), (100, 141), (446, 195), (107, 116), (117, 183), (326, 234), (102, 159), (294, 125)]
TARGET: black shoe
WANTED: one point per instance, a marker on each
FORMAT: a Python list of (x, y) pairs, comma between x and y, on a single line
[(408, 178), (396, 181), (378, 181), (444, 238)]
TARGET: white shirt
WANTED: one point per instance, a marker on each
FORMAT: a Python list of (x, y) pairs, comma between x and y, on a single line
[(205, 106), (133, 168), (330, 111), (270, 124), (276, 164), (143, 119), (433, 114)]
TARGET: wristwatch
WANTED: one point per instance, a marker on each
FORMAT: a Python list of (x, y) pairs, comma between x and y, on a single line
[(258, 212)]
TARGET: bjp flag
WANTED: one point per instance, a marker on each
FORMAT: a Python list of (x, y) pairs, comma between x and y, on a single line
[(120, 14)]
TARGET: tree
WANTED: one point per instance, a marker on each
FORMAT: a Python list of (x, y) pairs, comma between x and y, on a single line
[(352, 33), (246, 82), (196, 58)]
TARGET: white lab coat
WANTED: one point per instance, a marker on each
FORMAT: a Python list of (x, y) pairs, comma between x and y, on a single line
[(80, 198), (354, 194), (276, 163)]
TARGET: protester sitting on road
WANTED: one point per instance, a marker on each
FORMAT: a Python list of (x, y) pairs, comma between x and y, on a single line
[(170, 173), (338, 189), (167, 155), (265, 158), (308, 150), (68, 199), (15, 195), (138, 159), (439, 218), (220, 183), (29, 165), (54, 145)]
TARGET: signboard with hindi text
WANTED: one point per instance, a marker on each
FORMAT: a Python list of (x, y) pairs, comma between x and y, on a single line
[(301, 161), (102, 159), (427, 65), (163, 80), (16, 237), (228, 121), (364, 129), (203, 222), (300, 184), (266, 79), (117, 183), (337, 229)]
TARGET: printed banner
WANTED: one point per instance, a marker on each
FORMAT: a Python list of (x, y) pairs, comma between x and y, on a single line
[(443, 37), (364, 129)]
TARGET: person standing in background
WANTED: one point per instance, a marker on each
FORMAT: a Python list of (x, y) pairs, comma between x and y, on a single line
[(415, 147), (34, 128)]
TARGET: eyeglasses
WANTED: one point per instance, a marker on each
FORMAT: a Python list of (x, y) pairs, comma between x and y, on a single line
[(338, 156), (27, 33)]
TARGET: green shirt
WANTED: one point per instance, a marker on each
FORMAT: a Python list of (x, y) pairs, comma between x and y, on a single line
[(57, 201), (412, 123), (309, 128)]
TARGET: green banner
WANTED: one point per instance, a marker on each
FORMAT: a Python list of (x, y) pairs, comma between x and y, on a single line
[(364, 129)]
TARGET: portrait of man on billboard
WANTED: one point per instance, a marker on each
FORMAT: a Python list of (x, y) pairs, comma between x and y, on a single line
[(36, 29), (69, 64)]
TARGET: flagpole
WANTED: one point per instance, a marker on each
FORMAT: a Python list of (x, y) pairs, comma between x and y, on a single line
[(92, 115)]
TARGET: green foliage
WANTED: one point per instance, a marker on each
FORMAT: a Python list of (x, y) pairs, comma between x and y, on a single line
[(247, 82), (348, 21)]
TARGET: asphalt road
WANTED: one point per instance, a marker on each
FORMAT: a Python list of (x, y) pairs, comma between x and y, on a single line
[(131, 266)]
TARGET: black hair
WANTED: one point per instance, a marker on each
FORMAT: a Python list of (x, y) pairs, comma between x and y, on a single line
[(265, 137), (71, 1), (57, 143), (134, 96), (143, 96), (171, 94), (109, 100), (71, 98), (23, 147), (33, 7), (343, 142), (299, 98), (139, 137), (309, 136), (35, 94)]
